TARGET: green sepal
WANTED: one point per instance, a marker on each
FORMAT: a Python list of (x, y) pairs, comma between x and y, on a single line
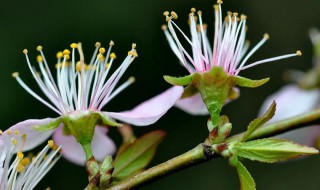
[(245, 82), (81, 124), (137, 155), (179, 81), (66, 131), (255, 124), (272, 150), (214, 87), (49, 126), (246, 180), (189, 90), (106, 120), (106, 170)]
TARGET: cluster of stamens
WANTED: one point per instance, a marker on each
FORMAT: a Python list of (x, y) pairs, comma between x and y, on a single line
[(78, 85), (24, 172), (229, 46)]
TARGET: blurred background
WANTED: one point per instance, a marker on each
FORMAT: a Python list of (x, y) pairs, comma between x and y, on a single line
[(56, 24)]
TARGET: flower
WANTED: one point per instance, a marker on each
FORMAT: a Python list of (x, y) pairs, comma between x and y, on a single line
[(229, 50), (293, 101), (80, 92), (24, 172)]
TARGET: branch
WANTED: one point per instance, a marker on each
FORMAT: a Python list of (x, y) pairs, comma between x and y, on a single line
[(203, 153)]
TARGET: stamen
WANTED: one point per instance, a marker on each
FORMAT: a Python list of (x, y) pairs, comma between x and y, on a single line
[(59, 55), (174, 15), (73, 45), (39, 48), (298, 53)]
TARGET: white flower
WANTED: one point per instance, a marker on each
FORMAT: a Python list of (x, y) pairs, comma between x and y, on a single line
[(24, 173)]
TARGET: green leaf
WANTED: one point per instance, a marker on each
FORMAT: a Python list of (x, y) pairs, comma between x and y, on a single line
[(245, 82), (137, 155), (49, 126), (179, 81), (272, 150), (246, 181), (255, 124)]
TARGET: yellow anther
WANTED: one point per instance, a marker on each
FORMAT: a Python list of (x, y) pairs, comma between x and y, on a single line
[(111, 43), (1, 132), (174, 15), (87, 67), (25, 51), (107, 65), (58, 65), (198, 28), (79, 66), (15, 74), (235, 14), (25, 161), (66, 52), (59, 54), (168, 18), (66, 63), (243, 17), (199, 13), (193, 10), (9, 132), (204, 26), (39, 58), (299, 53), (101, 57), (266, 36), (55, 147), (73, 45), (113, 56), (20, 168), (20, 155), (229, 13), (132, 79), (134, 45), (166, 13), (135, 54), (14, 141), (164, 27), (98, 44), (16, 132), (39, 48), (219, 2), (67, 57), (102, 50), (216, 7), (50, 143)]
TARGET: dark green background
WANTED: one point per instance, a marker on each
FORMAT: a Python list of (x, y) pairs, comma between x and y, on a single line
[(55, 24)]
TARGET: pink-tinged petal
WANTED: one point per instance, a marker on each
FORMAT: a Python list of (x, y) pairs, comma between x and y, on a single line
[(292, 101), (101, 145), (192, 105), (151, 110), (32, 137)]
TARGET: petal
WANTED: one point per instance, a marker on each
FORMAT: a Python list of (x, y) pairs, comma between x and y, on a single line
[(193, 105), (292, 101), (33, 137), (101, 145), (151, 110)]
